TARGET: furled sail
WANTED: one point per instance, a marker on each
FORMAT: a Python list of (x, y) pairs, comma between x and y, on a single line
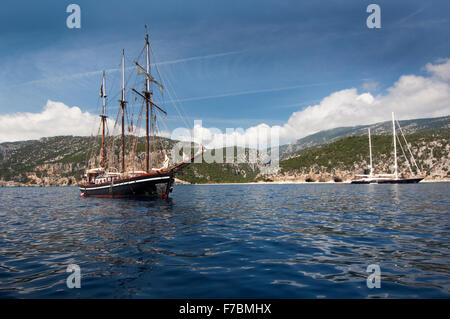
[(141, 70)]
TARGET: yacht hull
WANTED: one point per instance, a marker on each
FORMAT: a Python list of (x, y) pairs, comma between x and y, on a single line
[(389, 181), (400, 181), (145, 185), (359, 182)]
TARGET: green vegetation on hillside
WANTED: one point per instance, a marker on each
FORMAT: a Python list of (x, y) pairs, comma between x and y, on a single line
[(345, 153), (66, 157), (221, 172), (70, 150), (417, 126)]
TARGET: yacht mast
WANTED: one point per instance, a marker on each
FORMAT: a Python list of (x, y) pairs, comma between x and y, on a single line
[(370, 152), (103, 117), (409, 149), (395, 148), (122, 105), (148, 106)]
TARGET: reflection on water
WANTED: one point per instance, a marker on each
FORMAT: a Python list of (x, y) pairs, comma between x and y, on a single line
[(275, 241)]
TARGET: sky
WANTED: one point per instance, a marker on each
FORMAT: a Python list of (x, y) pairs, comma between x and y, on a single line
[(297, 67)]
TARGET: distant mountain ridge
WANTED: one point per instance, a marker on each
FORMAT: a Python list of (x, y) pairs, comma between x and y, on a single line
[(383, 128), (335, 154)]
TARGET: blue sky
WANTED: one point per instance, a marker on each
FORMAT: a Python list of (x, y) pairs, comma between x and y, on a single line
[(262, 60)]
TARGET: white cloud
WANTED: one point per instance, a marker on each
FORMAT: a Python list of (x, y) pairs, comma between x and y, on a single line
[(55, 119), (412, 96), (441, 70), (370, 86)]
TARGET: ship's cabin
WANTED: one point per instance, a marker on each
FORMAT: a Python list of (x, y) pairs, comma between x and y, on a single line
[(93, 173), (100, 175)]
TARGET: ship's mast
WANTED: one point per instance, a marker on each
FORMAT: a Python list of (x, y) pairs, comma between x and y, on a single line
[(395, 147), (370, 153), (103, 117), (147, 95), (148, 105), (123, 105)]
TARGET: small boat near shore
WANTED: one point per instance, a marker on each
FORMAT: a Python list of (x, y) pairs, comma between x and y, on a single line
[(394, 178)]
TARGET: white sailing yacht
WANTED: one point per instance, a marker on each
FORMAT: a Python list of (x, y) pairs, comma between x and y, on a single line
[(389, 178)]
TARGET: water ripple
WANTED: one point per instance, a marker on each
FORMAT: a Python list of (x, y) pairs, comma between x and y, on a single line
[(273, 241)]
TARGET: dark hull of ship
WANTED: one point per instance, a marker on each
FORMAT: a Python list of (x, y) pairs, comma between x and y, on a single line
[(359, 182), (146, 185), (390, 181), (401, 181)]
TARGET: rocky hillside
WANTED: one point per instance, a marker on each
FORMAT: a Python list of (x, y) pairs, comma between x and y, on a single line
[(419, 126), (341, 160), (61, 160)]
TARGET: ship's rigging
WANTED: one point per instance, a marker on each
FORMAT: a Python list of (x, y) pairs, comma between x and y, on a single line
[(139, 120), (394, 178), (132, 159)]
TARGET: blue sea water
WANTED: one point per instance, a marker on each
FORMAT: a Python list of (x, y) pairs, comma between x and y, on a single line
[(228, 241)]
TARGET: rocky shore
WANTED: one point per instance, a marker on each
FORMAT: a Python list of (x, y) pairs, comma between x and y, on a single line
[(296, 179)]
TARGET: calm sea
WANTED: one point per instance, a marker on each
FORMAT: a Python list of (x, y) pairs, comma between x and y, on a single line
[(229, 241)]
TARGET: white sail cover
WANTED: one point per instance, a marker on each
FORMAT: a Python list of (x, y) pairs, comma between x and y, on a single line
[(141, 70)]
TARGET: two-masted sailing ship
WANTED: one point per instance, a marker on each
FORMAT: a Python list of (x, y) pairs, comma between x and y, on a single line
[(105, 180), (394, 178)]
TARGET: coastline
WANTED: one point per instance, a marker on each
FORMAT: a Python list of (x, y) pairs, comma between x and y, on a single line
[(306, 183), (181, 182)]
